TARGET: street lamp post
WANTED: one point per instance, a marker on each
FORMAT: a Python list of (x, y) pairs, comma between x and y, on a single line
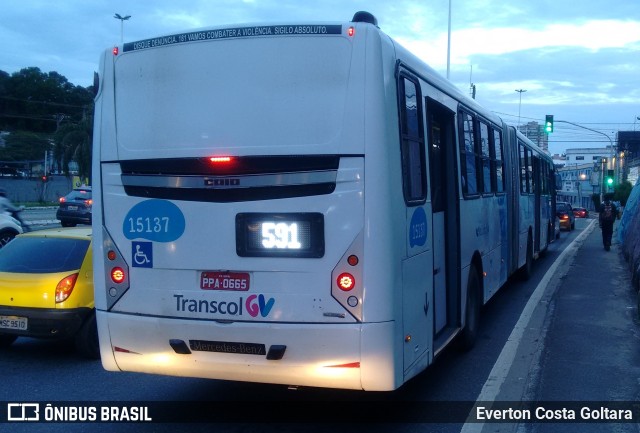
[(520, 91), (122, 20), (449, 43)]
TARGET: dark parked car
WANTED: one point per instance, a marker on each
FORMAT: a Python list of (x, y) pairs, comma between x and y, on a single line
[(75, 207), (564, 211), (580, 212)]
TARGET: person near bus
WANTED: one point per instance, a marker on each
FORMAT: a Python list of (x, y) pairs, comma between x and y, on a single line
[(607, 216)]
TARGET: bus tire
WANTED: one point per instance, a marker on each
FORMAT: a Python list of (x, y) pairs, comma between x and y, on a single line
[(469, 333), (527, 269), (87, 343)]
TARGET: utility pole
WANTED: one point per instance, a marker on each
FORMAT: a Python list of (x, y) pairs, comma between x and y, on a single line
[(449, 43), (122, 20), (520, 91)]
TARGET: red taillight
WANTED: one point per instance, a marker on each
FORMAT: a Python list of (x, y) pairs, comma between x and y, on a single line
[(347, 365), (220, 159), (564, 217), (351, 31), (346, 281), (88, 202), (62, 199), (115, 51), (65, 287), (117, 275)]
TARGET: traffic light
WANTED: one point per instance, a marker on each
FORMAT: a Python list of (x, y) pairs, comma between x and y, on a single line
[(609, 178), (548, 124)]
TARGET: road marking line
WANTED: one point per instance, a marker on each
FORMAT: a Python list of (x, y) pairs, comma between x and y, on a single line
[(501, 368)]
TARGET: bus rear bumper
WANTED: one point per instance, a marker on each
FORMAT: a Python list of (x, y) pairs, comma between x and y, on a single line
[(348, 356)]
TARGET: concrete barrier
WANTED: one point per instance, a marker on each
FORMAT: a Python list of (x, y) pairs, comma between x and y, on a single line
[(629, 236), (31, 190)]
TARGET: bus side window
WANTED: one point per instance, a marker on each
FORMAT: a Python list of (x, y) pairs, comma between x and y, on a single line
[(498, 165), (412, 143), (468, 157), (485, 157), (526, 170)]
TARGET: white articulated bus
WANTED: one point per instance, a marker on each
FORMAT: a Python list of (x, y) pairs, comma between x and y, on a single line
[(301, 204)]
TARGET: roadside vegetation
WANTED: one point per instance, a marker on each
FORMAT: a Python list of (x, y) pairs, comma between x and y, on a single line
[(44, 114)]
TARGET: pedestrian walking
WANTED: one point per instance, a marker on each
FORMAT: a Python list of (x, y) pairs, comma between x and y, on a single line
[(606, 218)]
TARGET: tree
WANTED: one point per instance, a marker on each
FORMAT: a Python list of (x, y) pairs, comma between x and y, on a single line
[(39, 106), (73, 142), (25, 146), (36, 101), (622, 192)]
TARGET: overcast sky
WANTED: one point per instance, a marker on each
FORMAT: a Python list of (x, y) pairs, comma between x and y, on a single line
[(577, 60)]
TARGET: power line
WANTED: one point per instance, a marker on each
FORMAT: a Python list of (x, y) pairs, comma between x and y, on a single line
[(540, 119), (57, 104)]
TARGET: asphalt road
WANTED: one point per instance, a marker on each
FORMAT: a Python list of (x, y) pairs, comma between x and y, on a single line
[(34, 370)]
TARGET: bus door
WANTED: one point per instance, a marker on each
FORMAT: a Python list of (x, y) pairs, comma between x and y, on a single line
[(441, 151), (537, 190), (416, 282)]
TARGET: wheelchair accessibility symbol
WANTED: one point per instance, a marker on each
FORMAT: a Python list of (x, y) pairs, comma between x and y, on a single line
[(142, 254)]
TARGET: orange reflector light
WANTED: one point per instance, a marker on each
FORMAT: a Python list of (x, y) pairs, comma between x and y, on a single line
[(353, 260), (65, 287), (111, 255), (117, 275), (122, 350), (346, 281)]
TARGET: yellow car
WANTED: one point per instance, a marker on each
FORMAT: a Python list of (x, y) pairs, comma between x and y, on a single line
[(46, 288)]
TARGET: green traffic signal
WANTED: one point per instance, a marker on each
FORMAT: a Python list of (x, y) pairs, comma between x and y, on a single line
[(548, 124), (609, 177)]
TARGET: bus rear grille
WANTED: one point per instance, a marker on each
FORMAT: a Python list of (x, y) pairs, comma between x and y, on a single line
[(240, 179)]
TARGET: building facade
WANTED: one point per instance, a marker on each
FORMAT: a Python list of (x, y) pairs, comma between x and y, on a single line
[(535, 132), (629, 154), (579, 183)]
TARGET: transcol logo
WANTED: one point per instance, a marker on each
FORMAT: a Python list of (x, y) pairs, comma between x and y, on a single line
[(254, 305), (262, 307)]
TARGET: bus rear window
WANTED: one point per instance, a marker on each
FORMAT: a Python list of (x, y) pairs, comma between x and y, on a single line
[(256, 93)]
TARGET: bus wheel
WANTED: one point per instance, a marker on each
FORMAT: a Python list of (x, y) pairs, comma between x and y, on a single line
[(472, 312), (527, 269), (87, 343)]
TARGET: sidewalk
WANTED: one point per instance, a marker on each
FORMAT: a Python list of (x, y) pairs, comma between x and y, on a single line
[(591, 349)]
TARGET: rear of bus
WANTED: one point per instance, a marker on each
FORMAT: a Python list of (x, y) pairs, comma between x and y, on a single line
[(229, 210)]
